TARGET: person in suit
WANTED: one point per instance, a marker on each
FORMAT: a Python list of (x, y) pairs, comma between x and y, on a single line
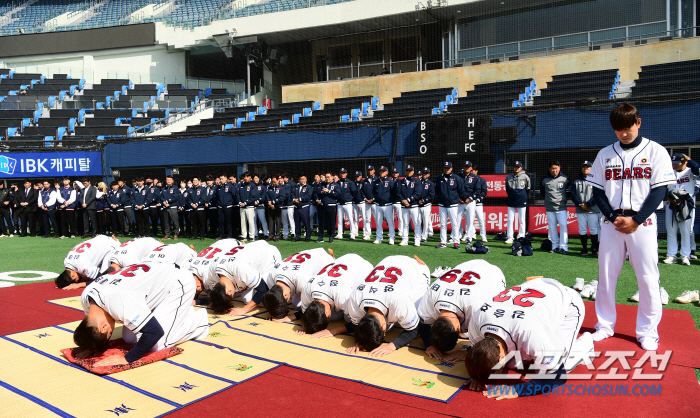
[(26, 205), (275, 199), (87, 200), (47, 203), (301, 197)]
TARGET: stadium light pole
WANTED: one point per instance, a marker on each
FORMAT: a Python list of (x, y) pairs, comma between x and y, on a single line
[(248, 71)]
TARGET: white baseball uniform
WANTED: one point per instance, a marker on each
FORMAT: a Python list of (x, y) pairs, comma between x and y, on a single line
[(296, 270), (203, 265), (395, 287), (627, 177), (462, 291), (248, 265), (137, 293), (335, 283), (381, 214), (90, 258), (133, 251), (684, 180), (540, 318), (179, 254)]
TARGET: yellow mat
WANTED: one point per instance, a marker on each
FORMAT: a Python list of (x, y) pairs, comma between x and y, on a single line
[(407, 370), (71, 302), (33, 369)]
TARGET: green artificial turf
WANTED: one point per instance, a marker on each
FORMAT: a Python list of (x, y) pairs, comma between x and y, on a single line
[(22, 254)]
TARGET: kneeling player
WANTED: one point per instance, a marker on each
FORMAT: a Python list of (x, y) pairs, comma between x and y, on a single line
[(86, 261), (131, 252), (243, 271), (287, 281), (540, 321), (179, 254), (152, 300), (451, 301), (203, 265), (389, 296), (326, 295)]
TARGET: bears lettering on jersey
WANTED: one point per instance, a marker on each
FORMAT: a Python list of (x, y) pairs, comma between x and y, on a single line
[(627, 174)]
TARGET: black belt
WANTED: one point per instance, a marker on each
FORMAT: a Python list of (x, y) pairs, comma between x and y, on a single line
[(626, 212)]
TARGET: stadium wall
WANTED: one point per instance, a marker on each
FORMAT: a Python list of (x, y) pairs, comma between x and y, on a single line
[(628, 60)]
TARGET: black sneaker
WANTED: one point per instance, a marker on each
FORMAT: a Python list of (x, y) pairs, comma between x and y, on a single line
[(319, 240)]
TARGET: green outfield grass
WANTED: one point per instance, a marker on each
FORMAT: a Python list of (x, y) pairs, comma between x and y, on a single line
[(22, 254)]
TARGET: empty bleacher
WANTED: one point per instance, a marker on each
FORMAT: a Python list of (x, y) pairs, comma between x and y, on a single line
[(343, 109), (570, 88), (418, 103), (669, 78), (499, 95)]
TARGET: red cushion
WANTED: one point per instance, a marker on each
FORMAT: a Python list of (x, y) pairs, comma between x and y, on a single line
[(117, 347)]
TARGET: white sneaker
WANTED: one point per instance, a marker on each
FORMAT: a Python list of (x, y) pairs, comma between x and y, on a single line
[(11, 235), (403, 243), (669, 260), (367, 238), (416, 244), (391, 242), (509, 241), (635, 297), (484, 240), (377, 242), (338, 236), (600, 335), (437, 272), (689, 296), (578, 284), (685, 261), (352, 237), (594, 293), (664, 296), (649, 344), (588, 289), (2, 235), (450, 241), (693, 256)]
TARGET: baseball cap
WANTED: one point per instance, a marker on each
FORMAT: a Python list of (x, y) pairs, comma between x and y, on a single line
[(383, 168), (677, 158), (426, 170), (409, 168), (467, 164), (358, 173), (588, 163), (370, 167), (395, 170), (447, 164), (343, 170), (419, 172), (517, 164)]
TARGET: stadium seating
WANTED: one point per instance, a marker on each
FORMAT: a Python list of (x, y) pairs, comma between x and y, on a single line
[(343, 109), (570, 88), (33, 17), (418, 103), (502, 94), (675, 77)]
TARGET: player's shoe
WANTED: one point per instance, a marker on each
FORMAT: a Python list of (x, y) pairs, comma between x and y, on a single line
[(649, 344), (367, 238), (336, 237), (352, 237), (554, 250), (391, 242), (456, 245), (484, 240), (403, 243), (11, 235), (635, 297), (670, 260), (584, 252), (450, 241), (441, 245), (664, 296), (377, 242), (685, 261), (578, 284), (693, 256), (689, 296), (564, 252), (2, 235), (589, 288), (423, 240), (436, 272), (594, 293), (417, 244), (509, 241)]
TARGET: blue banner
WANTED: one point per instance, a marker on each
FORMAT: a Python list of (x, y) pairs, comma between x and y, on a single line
[(50, 164)]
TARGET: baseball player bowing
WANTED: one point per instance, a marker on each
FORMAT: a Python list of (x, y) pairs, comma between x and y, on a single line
[(630, 179), (540, 320), (152, 300), (287, 281), (451, 301), (131, 252), (203, 265), (86, 261), (178, 253), (389, 296), (243, 271), (325, 297)]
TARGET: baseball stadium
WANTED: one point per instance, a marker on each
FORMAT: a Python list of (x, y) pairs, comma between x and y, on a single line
[(322, 207)]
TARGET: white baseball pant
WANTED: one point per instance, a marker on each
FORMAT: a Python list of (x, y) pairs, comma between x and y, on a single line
[(453, 215), (285, 223), (176, 315), (588, 221), (290, 220), (409, 214), (397, 211), (673, 227), (385, 213), (426, 221), (560, 240), (369, 213), (642, 247), (358, 211), (461, 215), (568, 330), (693, 244), (479, 211), (260, 217), (512, 212), (344, 210), (469, 211)]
